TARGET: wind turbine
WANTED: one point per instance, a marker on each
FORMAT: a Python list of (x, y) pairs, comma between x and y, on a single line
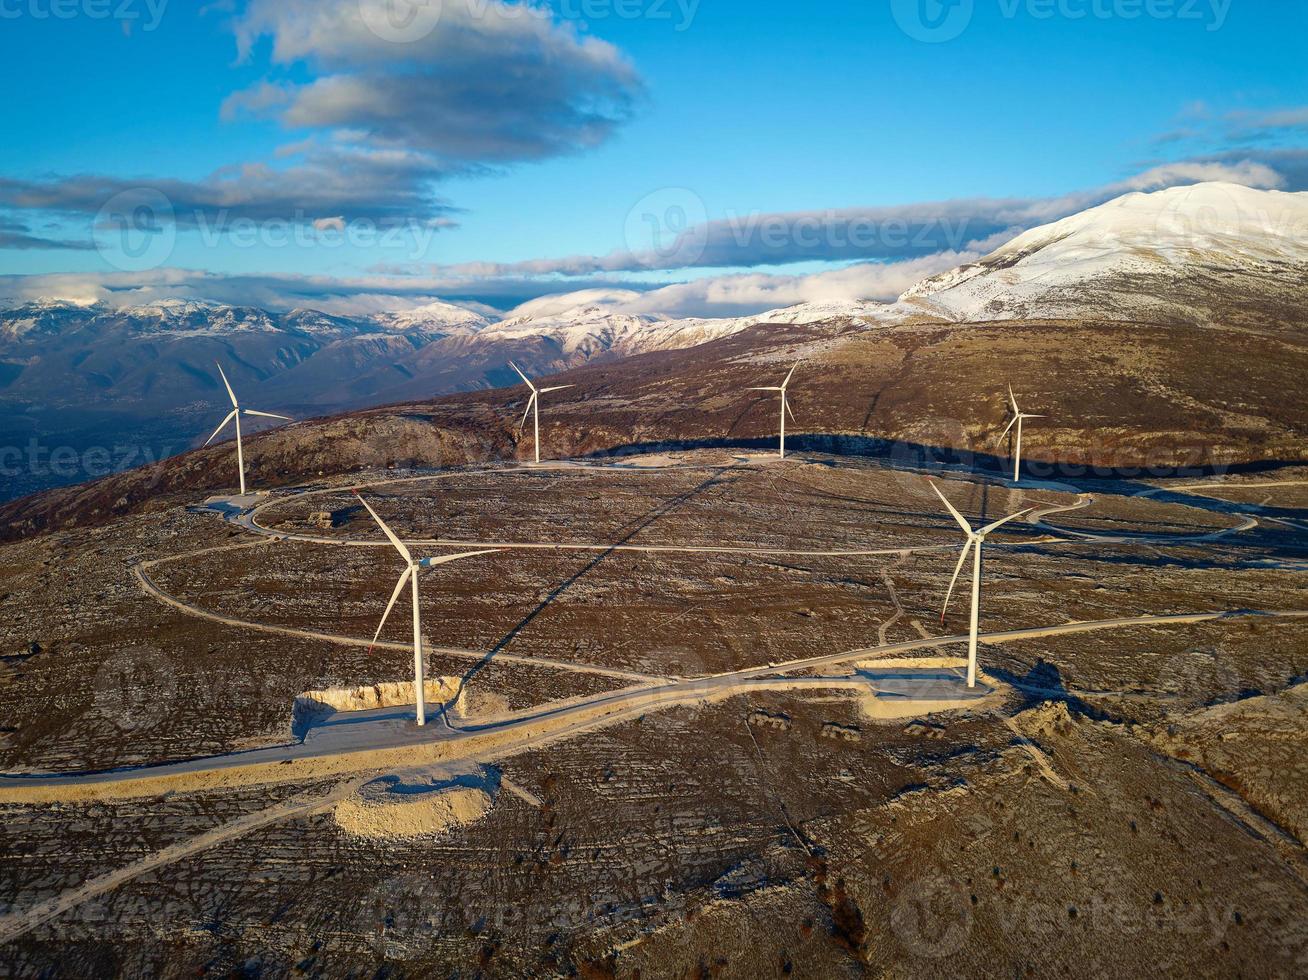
[(785, 405), (235, 415), (533, 404), (977, 539), (410, 574), (1018, 418)]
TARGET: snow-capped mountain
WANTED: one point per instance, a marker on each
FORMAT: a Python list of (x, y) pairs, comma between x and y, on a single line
[(1188, 254), (1205, 255), (196, 318), (594, 321), (583, 323), (433, 316)]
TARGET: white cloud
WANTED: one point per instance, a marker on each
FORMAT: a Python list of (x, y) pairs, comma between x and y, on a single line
[(470, 81), (734, 294), (742, 295), (729, 295), (891, 233), (381, 122)]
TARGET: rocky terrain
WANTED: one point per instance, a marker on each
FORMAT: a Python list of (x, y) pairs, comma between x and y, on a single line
[(1127, 788), (1118, 787)]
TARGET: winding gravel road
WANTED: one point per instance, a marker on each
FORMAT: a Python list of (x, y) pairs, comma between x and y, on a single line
[(386, 729), (375, 741)]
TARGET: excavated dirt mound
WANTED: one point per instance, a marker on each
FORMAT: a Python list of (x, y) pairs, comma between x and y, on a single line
[(411, 805), (922, 686), (314, 705)]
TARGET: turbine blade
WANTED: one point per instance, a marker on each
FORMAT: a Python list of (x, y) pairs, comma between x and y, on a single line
[(527, 411), (446, 559), (1000, 523), (1035, 416), (525, 379), (1010, 427), (395, 597), (962, 557), (220, 428), (786, 383), (230, 394), (1013, 398), (546, 391), (399, 545), (786, 401), (266, 415), (967, 528)]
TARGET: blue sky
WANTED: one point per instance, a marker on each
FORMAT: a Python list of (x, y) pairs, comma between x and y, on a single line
[(498, 145)]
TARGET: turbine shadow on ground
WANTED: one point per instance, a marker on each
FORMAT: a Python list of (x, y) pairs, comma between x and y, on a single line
[(1044, 682), (627, 533), (923, 457)]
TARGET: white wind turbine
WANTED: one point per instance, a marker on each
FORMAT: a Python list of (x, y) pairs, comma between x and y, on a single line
[(533, 404), (785, 405), (1018, 418), (410, 574), (235, 415), (974, 539)]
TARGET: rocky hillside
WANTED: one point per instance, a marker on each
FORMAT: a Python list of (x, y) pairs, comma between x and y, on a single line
[(1118, 396), (141, 382), (1208, 254), (1145, 341)]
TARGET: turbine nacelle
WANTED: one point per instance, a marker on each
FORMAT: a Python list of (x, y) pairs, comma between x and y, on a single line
[(975, 538), (412, 568), (411, 565), (1018, 418), (533, 404), (235, 415), (783, 388)]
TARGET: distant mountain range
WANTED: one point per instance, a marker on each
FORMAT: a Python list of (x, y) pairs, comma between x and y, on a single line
[(161, 357), (138, 383)]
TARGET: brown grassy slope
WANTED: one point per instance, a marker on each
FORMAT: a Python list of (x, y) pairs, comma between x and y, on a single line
[(1118, 395)]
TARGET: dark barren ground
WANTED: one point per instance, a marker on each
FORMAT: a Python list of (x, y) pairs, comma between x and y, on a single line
[(1134, 803)]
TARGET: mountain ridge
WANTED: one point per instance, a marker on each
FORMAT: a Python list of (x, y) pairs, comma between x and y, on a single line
[(83, 377)]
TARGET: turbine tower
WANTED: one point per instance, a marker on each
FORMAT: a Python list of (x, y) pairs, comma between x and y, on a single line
[(533, 404), (1018, 418), (236, 414), (785, 405), (974, 539), (410, 574)]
